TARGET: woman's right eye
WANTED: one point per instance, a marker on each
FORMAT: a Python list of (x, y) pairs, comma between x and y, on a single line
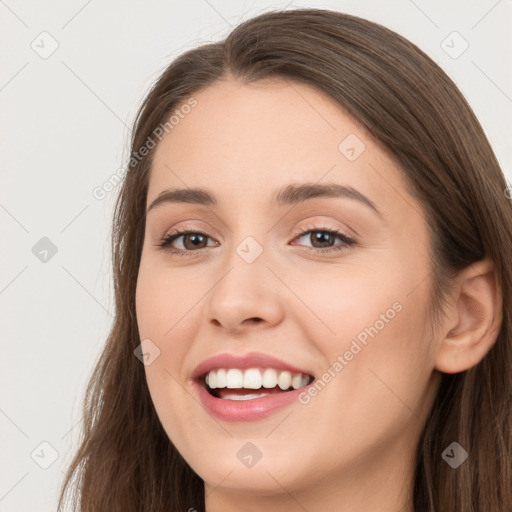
[(192, 241)]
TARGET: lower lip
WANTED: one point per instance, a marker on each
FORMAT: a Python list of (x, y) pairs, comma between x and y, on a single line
[(246, 410)]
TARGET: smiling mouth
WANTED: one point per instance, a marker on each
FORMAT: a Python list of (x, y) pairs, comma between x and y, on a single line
[(237, 384)]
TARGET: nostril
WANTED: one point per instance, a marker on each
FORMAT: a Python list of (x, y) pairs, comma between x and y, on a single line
[(254, 319)]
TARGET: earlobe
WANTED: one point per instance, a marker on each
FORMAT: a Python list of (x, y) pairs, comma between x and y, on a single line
[(473, 321)]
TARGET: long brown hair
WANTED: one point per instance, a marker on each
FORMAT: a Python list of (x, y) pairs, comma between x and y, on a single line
[(125, 461)]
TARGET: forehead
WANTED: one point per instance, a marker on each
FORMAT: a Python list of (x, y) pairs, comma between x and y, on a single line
[(253, 138), (259, 118)]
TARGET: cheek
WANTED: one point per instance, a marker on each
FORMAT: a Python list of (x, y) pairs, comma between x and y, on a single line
[(347, 300), (162, 299), (165, 314), (374, 340), (385, 361), (375, 386)]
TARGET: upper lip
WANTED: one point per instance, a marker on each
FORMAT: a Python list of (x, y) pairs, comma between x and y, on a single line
[(244, 361)]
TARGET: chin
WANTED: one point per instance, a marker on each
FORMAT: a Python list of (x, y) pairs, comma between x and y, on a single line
[(265, 477)]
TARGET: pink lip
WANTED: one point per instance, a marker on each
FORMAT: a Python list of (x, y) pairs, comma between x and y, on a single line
[(244, 410)]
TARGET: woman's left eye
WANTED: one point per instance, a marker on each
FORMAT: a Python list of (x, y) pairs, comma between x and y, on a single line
[(195, 240), (326, 238)]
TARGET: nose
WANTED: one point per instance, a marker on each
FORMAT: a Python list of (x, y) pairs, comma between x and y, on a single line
[(246, 296)]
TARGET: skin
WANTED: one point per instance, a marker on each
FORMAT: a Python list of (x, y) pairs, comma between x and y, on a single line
[(352, 447)]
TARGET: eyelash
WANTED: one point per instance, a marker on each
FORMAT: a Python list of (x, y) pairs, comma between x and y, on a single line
[(178, 232)]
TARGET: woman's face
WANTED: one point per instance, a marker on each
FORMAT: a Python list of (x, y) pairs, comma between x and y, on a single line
[(261, 280)]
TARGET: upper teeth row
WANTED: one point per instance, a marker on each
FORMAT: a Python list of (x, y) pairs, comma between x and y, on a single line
[(253, 378)]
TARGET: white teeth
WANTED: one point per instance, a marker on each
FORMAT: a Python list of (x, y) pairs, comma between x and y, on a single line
[(244, 397), (269, 378), (221, 378), (297, 381), (254, 378), (212, 380), (285, 380), (234, 378)]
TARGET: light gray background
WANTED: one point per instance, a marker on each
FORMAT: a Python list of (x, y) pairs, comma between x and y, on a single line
[(64, 131)]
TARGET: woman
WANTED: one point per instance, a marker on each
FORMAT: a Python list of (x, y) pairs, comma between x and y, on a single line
[(311, 258)]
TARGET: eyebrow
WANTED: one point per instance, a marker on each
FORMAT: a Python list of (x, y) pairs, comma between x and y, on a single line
[(291, 194)]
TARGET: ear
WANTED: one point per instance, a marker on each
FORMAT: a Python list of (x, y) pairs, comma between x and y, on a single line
[(473, 319)]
